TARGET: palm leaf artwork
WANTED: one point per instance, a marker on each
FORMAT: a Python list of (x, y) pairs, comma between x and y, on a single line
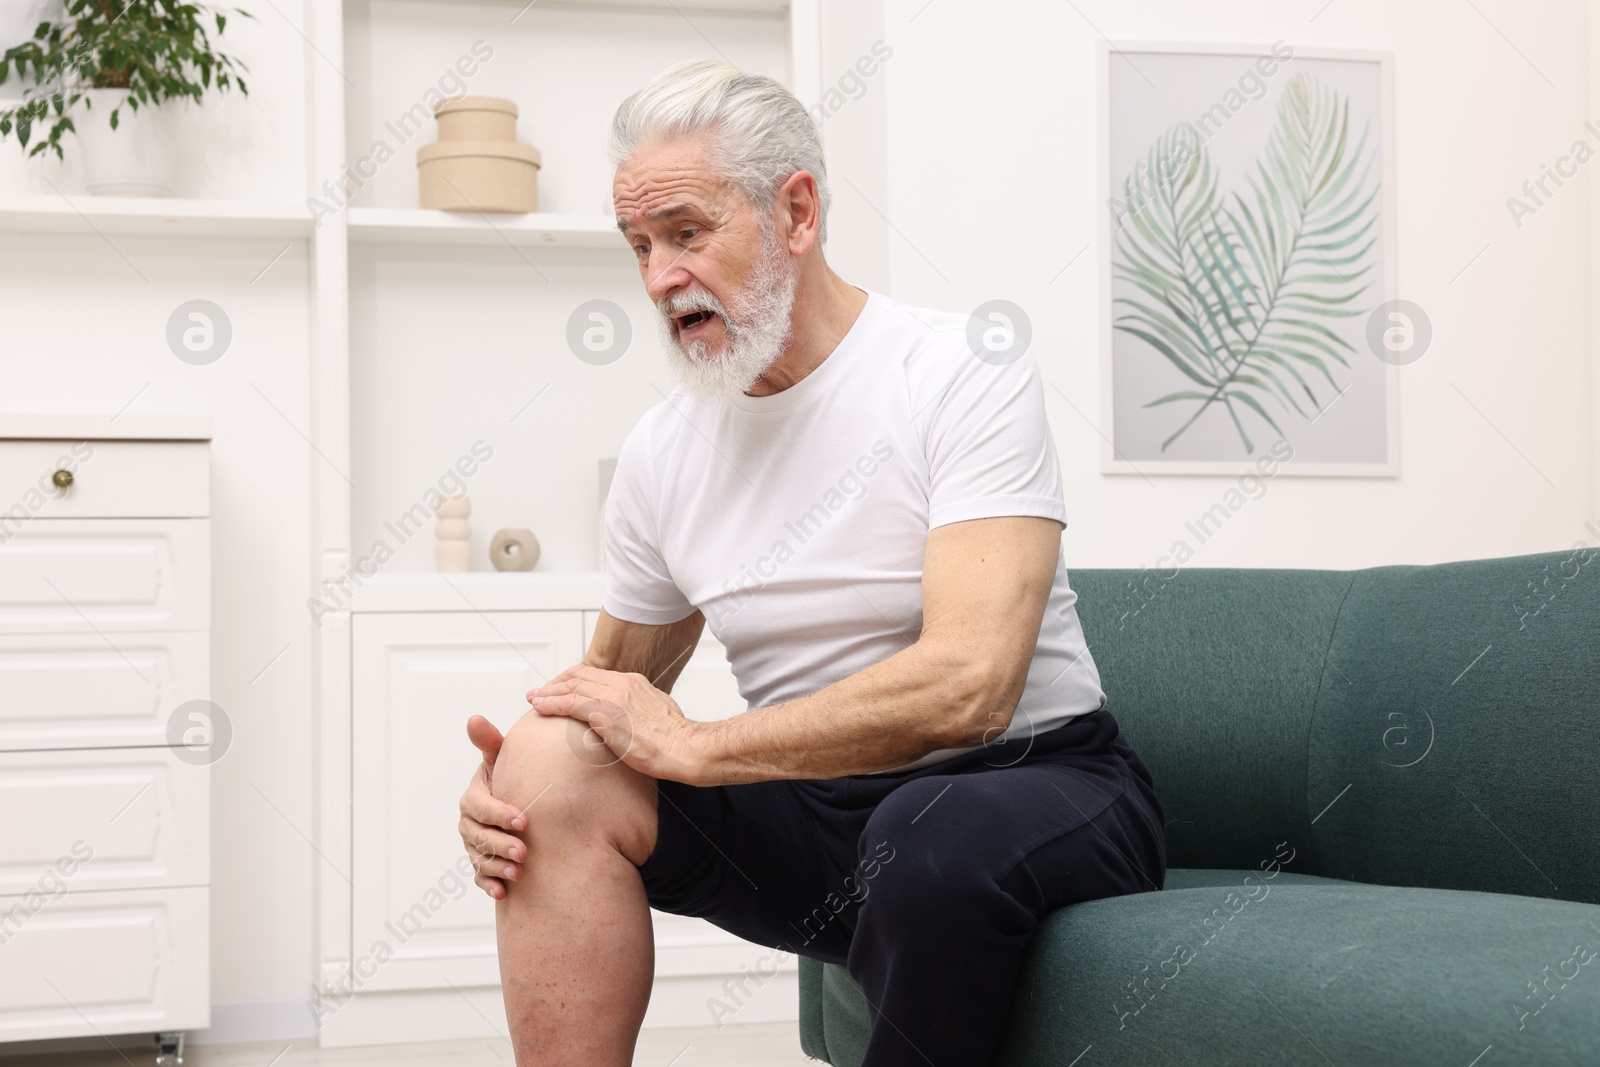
[(1241, 293)]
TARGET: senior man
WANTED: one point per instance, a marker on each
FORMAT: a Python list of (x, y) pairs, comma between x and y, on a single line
[(868, 513)]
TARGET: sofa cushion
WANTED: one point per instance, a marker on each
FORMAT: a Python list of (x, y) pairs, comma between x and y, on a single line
[(1404, 725), (1287, 970), (1213, 676), (1200, 878), (1459, 718)]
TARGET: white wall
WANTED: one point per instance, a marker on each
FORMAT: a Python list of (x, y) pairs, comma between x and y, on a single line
[(993, 185), (854, 106), (1594, 273)]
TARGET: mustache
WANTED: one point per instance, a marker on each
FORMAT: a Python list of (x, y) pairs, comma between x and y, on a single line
[(682, 303)]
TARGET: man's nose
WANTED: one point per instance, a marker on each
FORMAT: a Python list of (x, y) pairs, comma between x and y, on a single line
[(663, 274)]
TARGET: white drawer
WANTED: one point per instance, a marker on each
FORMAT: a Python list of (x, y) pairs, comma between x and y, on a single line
[(78, 691), (87, 964), (110, 480), (134, 817), (106, 575)]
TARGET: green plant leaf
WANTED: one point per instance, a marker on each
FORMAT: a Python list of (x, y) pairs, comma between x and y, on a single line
[(158, 49)]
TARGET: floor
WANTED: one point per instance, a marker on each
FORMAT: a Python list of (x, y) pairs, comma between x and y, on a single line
[(747, 1045)]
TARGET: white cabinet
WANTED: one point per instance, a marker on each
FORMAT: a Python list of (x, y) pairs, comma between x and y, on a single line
[(104, 790), (418, 922), (416, 678)]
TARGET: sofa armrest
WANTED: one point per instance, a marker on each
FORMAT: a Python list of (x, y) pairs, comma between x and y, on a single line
[(812, 1041)]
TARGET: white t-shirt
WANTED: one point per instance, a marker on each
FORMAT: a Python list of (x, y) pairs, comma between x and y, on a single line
[(797, 522)]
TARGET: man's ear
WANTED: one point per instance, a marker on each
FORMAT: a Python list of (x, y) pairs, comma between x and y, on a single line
[(799, 211)]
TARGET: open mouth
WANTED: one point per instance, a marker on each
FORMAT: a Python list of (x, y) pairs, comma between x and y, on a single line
[(691, 322)]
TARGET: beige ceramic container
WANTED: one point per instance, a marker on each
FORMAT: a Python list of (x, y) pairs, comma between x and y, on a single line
[(478, 176), (477, 118)]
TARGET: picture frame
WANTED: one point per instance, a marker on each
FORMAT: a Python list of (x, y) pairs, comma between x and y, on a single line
[(1207, 366)]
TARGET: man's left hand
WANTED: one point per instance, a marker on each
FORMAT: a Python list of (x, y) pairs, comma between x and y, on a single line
[(638, 723)]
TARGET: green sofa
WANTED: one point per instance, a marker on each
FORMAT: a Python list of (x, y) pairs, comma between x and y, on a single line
[(1382, 789)]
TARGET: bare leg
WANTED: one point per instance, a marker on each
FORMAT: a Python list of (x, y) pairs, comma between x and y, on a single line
[(577, 954)]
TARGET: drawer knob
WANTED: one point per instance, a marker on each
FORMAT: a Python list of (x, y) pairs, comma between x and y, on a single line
[(62, 479)]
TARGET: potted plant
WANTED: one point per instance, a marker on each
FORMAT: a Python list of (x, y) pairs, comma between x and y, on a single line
[(127, 62)]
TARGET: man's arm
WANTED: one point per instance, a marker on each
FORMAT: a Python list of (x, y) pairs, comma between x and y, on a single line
[(657, 652), (985, 583)]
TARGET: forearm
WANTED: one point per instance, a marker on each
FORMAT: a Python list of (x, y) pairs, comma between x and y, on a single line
[(657, 652), (917, 701)]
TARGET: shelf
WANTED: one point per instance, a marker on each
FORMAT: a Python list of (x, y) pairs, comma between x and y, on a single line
[(152, 216), (534, 230), (772, 8), (98, 426), (481, 591)]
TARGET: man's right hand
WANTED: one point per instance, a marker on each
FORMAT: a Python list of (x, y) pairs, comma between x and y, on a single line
[(486, 823)]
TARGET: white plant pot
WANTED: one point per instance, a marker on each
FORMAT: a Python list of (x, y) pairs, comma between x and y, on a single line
[(138, 158)]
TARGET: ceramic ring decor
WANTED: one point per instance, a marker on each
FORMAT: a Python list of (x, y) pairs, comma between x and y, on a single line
[(514, 550)]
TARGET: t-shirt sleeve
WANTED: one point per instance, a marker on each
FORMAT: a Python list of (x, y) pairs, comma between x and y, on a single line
[(988, 442), (639, 587)]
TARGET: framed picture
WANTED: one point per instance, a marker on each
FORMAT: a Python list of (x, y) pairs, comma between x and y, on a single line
[(1248, 288)]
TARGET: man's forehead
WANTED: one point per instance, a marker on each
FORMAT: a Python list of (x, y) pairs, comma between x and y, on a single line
[(664, 198)]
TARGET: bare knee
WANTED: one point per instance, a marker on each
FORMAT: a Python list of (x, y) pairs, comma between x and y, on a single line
[(574, 791)]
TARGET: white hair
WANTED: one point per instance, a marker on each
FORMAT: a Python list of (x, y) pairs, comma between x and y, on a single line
[(761, 134)]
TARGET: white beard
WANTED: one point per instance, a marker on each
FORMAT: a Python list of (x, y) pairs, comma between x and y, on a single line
[(757, 325)]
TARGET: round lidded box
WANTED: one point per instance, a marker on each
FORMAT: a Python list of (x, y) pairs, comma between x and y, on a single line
[(476, 118), (478, 176)]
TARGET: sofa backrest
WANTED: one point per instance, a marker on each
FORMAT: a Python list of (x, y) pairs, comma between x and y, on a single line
[(1431, 726)]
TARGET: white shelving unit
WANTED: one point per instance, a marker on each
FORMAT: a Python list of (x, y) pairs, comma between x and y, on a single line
[(434, 329), (739, 7), (743, 7), (759, 7)]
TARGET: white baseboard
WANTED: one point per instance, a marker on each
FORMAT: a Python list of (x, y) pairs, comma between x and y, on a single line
[(62, 1046), (244, 1021), (712, 1001), (234, 1023), (446, 1015), (479, 1013)]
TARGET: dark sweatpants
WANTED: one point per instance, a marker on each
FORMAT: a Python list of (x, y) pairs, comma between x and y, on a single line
[(928, 883)]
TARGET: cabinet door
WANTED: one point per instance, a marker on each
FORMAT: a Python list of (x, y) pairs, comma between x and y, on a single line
[(419, 922)]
